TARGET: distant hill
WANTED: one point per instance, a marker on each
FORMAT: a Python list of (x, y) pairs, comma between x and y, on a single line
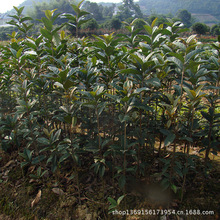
[(208, 7), (206, 11), (206, 18), (28, 4), (31, 2)]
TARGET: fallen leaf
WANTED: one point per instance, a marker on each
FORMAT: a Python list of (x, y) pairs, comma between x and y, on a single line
[(31, 169), (32, 180), (36, 200), (174, 204), (9, 163), (58, 191)]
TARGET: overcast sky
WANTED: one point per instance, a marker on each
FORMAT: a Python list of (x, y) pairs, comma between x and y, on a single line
[(7, 5)]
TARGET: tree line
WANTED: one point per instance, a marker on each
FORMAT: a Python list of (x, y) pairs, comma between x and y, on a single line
[(109, 17)]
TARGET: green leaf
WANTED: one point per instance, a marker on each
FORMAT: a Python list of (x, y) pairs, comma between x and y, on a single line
[(128, 84), (102, 170), (154, 82), (39, 171), (27, 154), (165, 131), (122, 181), (112, 202), (215, 60), (165, 183), (153, 22), (148, 29), (69, 16), (174, 188), (68, 84), (120, 199), (101, 107), (98, 90), (48, 14), (178, 56), (76, 8), (24, 164), (64, 157), (145, 38), (68, 119), (19, 10), (130, 71), (178, 171), (124, 118), (56, 38), (47, 23), (46, 34), (83, 14), (57, 135), (74, 121), (169, 139), (18, 54), (43, 141), (139, 90), (192, 54), (38, 159), (176, 61), (26, 19), (13, 51), (180, 45), (190, 38), (54, 163), (59, 85), (207, 116), (191, 93)]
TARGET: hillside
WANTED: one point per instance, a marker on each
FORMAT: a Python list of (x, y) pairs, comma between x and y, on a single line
[(206, 11), (28, 4), (211, 7)]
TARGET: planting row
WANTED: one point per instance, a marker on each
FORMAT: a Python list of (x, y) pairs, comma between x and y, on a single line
[(122, 105)]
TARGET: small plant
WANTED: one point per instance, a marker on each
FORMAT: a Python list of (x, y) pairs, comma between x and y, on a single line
[(114, 203), (78, 19), (27, 156), (39, 173), (124, 105)]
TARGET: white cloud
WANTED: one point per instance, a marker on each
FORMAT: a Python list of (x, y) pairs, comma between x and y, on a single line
[(7, 5)]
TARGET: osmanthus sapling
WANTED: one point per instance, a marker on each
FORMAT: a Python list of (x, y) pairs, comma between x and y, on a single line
[(108, 101), (79, 18)]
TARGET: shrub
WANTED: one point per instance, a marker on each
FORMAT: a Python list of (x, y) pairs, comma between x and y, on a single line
[(114, 23), (91, 24), (139, 23), (200, 28), (110, 103), (215, 29), (5, 31)]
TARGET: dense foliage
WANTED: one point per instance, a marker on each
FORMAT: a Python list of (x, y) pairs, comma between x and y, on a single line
[(109, 17), (121, 105), (200, 28)]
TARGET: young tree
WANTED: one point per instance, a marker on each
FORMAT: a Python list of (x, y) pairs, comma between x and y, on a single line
[(62, 6), (108, 11), (114, 23), (129, 9), (91, 24), (200, 28), (94, 9), (185, 17), (215, 29)]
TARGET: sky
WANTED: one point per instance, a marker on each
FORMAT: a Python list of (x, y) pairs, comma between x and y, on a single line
[(8, 4)]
